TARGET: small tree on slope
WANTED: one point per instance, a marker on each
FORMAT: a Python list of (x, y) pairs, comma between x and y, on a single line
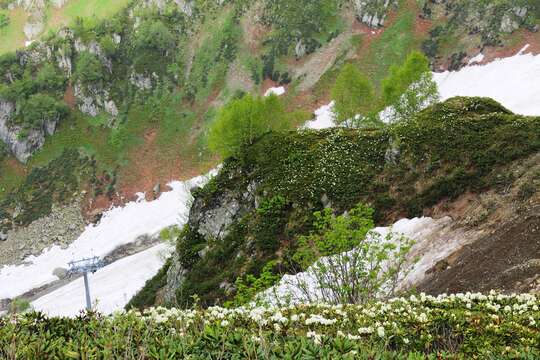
[(409, 88), (354, 97), (242, 120), (348, 263)]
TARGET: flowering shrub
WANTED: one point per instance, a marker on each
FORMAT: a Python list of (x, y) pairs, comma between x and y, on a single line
[(457, 326)]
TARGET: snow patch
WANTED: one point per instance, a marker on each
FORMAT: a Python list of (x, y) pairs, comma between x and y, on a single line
[(512, 81), (111, 287), (278, 91), (434, 241), (118, 226), (324, 118), (477, 59)]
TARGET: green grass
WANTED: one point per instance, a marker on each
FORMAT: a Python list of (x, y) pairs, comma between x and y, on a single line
[(91, 10), (12, 36), (395, 43)]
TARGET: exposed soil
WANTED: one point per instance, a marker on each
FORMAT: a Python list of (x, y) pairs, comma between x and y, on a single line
[(522, 38), (496, 261), (69, 97), (504, 253)]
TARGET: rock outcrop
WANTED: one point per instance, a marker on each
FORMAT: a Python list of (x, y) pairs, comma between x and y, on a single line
[(20, 146), (373, 12)]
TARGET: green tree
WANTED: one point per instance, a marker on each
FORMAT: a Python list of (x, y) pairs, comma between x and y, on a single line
[(409, 88), (348, 262), (50, 79), (154, 35), (353, 95), (242, 120)]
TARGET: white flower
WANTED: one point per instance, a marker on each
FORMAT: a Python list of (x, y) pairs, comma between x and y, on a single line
[(380, 331)]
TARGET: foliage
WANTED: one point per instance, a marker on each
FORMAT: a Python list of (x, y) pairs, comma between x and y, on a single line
[(353, 94), (55, 182), (88, 68), (347, 262), (243, 120), (453, 147), (19, 306), (152, 42), (461, 326), (299, 21), (4, 20), (212, 59), (40, 108), (409, 88), (249, 286)]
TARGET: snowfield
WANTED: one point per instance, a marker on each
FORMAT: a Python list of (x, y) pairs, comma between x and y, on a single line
[(111, 287), (512, 81), (324, 118), (118, 226), (275, 91)]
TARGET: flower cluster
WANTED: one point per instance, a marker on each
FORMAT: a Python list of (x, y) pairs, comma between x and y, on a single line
[(493, 321)]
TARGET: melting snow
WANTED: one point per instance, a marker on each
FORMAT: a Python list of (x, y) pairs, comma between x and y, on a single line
[(434, 241), (111, 287), (512, 81), (324, 118), (275, 91), (477, 59), (118, 226)]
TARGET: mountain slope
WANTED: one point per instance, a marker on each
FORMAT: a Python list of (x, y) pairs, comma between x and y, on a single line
[(251, 214)]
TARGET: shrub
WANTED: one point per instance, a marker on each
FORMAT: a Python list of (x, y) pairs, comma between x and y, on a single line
[(40, 108), (88, 68), (347, 262), (243, 120), (4, 20)]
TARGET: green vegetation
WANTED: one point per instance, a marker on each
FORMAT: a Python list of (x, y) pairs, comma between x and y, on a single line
[(88, 68), (461, 326), (4, 19), (19, 306), (353, 94), (360, 266), (409, 88), (448, 149), (392, 47), (243, 120)]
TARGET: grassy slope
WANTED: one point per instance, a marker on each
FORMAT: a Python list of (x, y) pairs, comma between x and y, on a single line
[(12, 37)]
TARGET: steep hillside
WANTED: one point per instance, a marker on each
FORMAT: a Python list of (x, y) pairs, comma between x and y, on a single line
[(119, 102), (449, 158)]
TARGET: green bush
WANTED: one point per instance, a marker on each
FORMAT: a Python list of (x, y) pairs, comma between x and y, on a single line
[(40, 108), (88, 68), (4, 20), (461, 326)]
